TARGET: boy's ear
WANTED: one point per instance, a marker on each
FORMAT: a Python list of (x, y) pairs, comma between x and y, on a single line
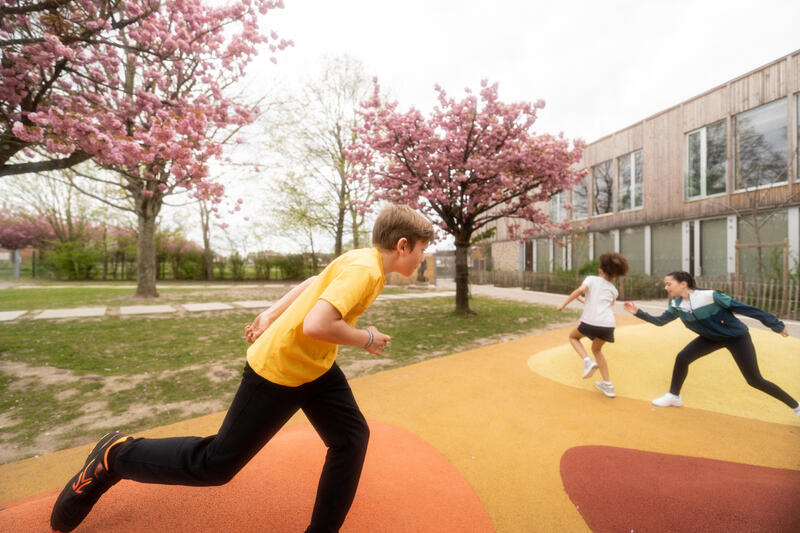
[(402, 244)]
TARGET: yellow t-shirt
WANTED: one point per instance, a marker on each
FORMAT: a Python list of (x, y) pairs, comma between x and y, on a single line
[(283, 354)]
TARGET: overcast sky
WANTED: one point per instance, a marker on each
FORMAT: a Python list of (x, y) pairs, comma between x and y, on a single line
[(599, 65)]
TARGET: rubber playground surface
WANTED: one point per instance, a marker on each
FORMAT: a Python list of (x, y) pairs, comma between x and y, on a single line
[(506, 438)]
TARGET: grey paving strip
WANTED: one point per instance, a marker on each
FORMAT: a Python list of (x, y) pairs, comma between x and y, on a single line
[(210, 306), (253, 303), (419, 295), (145, 309), (72, 313), (159, 287), (10, 315), (128, 287)]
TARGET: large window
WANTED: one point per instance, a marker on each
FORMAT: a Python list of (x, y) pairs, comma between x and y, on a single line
[(714, 247), (603, 178), (666, 248), (761, 146), (542, 255), (707, 157), (557, 211), (631, 245), (630, 180), (580, 250), (773, 228), (603, 242), (528, 256), (580, 200), (559, 255)]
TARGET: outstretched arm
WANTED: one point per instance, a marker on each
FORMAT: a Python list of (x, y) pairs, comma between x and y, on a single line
[(665, 318), (769, 320), (267, 317), (574, 295), (324, 322)]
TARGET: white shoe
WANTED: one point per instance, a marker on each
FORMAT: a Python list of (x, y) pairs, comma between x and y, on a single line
[(606, 388), (589, 367), (797, 411), (668, 400)]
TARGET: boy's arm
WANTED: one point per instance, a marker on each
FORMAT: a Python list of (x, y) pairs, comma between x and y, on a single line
[(324, 322), (576, 294), (267, 317)]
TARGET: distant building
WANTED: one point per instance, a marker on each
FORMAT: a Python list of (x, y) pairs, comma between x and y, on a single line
[(677, 190)]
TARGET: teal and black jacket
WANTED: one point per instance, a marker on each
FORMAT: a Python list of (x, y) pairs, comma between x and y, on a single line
[(710, 314)]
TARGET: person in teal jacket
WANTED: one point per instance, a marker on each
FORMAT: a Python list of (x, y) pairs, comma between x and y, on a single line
[(709, 313)]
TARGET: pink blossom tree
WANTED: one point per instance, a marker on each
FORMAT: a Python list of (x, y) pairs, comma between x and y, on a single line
[(22, 230), (140, 87), (468, 164)]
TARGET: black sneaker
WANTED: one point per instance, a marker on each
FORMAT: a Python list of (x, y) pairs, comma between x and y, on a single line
[(86, 487)]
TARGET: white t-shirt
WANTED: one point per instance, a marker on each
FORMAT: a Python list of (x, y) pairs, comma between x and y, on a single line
[(600, 297)]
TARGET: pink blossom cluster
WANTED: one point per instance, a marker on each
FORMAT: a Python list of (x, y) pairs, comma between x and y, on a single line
[(19, 230), (140, 86), (175, 245), (468, 163)]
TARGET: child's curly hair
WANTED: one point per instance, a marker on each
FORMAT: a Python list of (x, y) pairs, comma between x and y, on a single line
[(613, 264)]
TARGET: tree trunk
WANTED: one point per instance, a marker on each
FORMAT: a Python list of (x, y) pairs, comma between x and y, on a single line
[(462, 278), (17, 258), (208, 257), (339, 230), (355, 226), (147, 210), (105, 252)]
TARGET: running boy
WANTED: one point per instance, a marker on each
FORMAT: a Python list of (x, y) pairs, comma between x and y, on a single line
[(290, 366), (710, 314), (597, 321)]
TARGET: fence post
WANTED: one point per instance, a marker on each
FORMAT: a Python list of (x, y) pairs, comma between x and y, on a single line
[(785, 291)]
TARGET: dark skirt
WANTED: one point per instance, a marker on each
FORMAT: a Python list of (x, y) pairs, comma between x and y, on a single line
[(607, 334)]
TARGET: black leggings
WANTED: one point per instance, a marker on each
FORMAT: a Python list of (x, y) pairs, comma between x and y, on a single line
[(743, 353), (259, 409)]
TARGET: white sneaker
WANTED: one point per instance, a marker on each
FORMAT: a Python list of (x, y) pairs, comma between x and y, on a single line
[(606, 388), (668, 400), (589, 367), (797, 411)]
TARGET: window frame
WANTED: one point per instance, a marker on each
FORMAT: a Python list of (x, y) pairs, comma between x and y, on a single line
[(736, 164), (703, 131), (611, 191), (585, 183), (557, 211), (632, 186)]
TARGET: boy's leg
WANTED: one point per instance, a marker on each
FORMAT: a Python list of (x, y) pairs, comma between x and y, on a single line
[(332, 410), (744, 353), (690, 353), (259, 409)]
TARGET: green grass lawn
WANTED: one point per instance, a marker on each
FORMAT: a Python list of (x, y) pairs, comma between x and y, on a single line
[(92, 294), (76, 379)]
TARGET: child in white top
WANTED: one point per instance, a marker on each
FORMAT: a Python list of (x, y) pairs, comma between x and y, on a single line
[(597, 321)]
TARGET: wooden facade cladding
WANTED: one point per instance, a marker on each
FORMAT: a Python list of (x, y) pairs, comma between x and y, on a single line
[(663, 138)]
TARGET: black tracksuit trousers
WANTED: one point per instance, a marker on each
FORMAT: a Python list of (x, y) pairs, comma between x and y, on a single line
[(259, 409), (743, 352)]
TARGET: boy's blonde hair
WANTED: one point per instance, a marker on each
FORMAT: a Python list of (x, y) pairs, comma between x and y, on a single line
[(398, 221)]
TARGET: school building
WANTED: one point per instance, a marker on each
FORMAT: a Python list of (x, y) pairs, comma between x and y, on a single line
[(680, 189)]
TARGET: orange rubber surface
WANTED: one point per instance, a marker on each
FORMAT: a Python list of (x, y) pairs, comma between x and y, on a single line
[(407, 486), (505, 437)]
